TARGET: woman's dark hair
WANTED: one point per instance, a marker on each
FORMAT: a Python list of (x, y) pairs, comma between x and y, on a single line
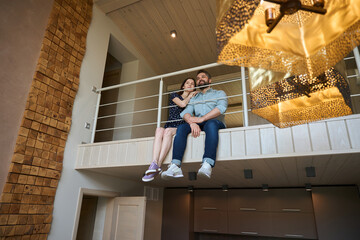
[(183, 83)]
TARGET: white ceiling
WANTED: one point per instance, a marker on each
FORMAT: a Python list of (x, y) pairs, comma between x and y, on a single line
[(339, 169)]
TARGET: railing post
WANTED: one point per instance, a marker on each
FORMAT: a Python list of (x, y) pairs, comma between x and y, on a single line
[(160, 103), (244, 96), (96, 114), (357, 59)]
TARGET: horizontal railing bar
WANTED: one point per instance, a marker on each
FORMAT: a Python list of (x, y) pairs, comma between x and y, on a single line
[(348, 58), (133, 99), (121, 114), (153, 123), (159, 77), (129, 126), (153, 109), (351, 76), (355, 95), (156, 95)]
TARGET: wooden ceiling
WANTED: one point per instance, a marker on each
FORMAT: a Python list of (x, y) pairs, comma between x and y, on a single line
[(147, 24)]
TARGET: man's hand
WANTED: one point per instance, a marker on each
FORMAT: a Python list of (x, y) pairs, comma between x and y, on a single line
[(196, 119), (195, 130)]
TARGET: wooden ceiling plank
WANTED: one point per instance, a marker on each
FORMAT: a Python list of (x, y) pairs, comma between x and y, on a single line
[(121, 19), (290, 169), (175, 9), (302, 163), (198, 22), (153, 36), (206, 27), (187, 56), (335, 163), (109, 6), (209, 7), (164, 28)]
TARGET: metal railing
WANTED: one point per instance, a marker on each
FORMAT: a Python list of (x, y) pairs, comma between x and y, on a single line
[(160, 94)]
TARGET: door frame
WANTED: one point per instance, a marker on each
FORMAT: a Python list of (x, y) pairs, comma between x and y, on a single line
[(90, 192)]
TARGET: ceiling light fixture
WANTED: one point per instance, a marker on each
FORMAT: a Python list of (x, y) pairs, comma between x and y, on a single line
[(265, 187), (190, 188), (173, 34), (310, 172), (248, 173), (308, 187), (192, 176), (225, 187)]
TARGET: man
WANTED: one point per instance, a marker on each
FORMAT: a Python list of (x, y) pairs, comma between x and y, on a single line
[(205, 111)]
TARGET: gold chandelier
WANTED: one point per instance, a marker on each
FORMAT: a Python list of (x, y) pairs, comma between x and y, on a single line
[(307, 37), (286, 100)]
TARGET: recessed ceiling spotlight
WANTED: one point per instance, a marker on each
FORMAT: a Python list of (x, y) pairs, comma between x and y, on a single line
[(225, 188), (308, 187), (190, 188), (265, 187), (173, 34)]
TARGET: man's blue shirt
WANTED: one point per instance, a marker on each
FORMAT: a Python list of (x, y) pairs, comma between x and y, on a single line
[(203, 103)]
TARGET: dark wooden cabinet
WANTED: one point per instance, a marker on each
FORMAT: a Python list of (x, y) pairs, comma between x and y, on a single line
[(276, 213), (293, 225), (325, 214), (248, 200), (290, 200), (253, 223), (210, 211)]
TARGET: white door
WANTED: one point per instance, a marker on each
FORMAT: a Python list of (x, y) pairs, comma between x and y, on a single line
[(125, 218)]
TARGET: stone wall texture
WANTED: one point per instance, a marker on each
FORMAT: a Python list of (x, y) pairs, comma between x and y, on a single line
[(26, 203)]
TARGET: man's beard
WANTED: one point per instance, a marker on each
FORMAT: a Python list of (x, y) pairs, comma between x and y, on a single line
[(202, 85)]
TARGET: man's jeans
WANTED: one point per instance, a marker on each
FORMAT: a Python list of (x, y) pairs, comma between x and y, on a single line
[(211, 128)]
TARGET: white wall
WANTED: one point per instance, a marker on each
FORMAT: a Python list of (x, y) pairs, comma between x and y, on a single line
[(71, 181), (129, 72)]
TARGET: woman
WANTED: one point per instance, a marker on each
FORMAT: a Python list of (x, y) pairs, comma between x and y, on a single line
[(163, 136)]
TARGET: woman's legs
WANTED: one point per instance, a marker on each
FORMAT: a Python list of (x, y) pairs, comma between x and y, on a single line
[(154, 169), (166, 144), (159, 134)]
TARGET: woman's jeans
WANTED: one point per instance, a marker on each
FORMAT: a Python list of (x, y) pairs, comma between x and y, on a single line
[(211, 129)]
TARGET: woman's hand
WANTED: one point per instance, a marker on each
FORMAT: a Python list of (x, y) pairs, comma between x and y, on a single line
[(193, 94)]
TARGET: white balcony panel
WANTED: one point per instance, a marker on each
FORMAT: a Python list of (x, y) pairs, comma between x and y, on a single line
[(319, 136), (284, 140), (301, 138), (354, 135), (188, 149), (268, 143), (333, 136), (113, 153), (197, 147), (79, 157), (95, 154), (224, 147), (338, 134), (103, 155), (238, 143), (252, 139), (121, 153)]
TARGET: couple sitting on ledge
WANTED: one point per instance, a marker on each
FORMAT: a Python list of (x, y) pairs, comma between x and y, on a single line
[(201, 109)]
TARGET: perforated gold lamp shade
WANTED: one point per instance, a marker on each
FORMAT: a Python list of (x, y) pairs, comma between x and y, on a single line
[(298, 99), (302, 43)]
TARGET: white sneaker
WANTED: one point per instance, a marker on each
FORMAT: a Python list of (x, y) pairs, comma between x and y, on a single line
[(173, 172), (205, 170)]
